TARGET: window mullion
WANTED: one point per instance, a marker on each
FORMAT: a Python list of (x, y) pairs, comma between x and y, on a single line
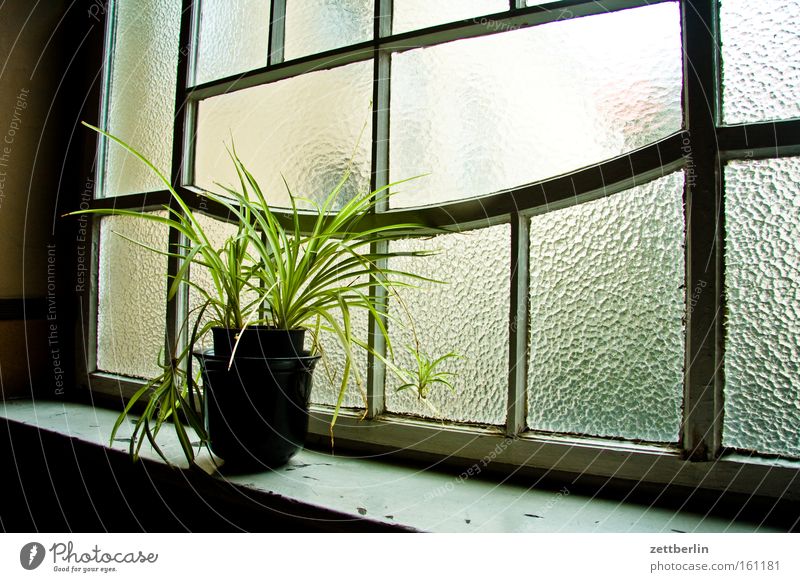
[(108, 55), (190, 105), (516, 412), (376, 372), (764, 139), (277, 32), (702, 410), (177, 306), (99, 190)]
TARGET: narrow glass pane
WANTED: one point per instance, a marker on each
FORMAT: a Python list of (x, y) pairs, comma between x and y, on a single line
[(485, 114), (467, 315), (306, 129), (606, 315), (315, 26), (761, 60), (141, 99), (416, 14), (233, 38), (132, 295), (762, 284)]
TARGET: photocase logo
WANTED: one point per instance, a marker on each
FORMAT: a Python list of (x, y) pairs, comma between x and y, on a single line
[(31, 555)]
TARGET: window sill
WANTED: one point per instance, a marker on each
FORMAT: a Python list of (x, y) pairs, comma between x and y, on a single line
[(370, 493)]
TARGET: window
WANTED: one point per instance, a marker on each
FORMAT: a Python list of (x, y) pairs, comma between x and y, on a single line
[(620, 193)]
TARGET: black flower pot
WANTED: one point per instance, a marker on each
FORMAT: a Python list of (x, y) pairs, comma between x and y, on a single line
[(256, 412), (259, 341)]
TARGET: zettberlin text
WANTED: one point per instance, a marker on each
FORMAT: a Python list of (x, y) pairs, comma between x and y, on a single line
[(676, 549)]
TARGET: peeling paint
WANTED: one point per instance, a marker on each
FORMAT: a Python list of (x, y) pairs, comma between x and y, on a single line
[(304, 465)]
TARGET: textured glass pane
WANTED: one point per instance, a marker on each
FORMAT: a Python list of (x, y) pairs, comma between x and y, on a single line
[(468, 315), (217, 231), (132, 295), (315, 26), (762, 283), (328, 373), (233, 38), (490, 113), (141, 102), (304, 128), (761, 60), (607, 303), (415, 14)]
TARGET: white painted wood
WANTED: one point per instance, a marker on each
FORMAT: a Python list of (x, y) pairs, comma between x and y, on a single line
[(361, 488), (621, 460)]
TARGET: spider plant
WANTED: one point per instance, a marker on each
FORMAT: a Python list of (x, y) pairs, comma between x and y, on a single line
[(313, 278), (170, 396), (426, 374), (173, 395), (317, 279), (230, 266)]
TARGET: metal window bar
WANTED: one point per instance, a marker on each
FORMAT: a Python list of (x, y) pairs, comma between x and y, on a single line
[(376, 372), (769, 139), (701, 434), (108, 55), (516, 408), (178, 306), (277, 32), (100, 189)]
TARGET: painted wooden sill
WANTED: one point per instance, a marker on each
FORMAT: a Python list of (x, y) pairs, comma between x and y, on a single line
[(401, 497)]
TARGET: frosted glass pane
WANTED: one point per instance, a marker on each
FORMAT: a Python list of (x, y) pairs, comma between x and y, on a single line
[(132, 295), (606, 310), (217, 231), (490, 113), (415, 14), (761, 60), (141, 99), (328, 373), (469, 316), (315, 26), (305, 128), (762, 283), (233, 38)]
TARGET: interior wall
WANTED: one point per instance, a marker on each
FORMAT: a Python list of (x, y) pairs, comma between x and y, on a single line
[(41, 87)]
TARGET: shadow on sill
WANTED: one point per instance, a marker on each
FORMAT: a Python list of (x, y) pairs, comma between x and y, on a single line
[(56, 484), (62, 483)]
